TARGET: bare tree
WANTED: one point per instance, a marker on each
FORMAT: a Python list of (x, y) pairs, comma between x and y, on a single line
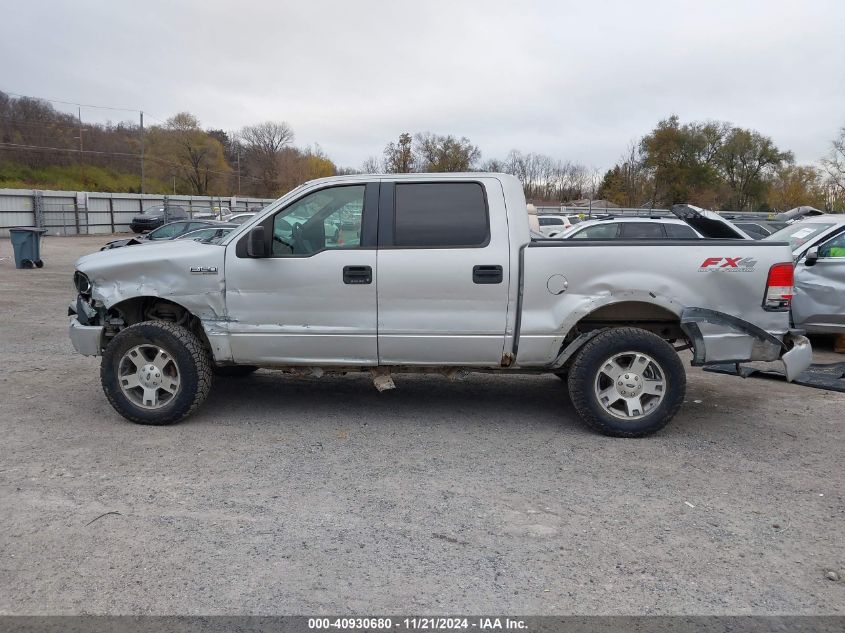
[(834, 164), (264, 146), (399, 156), (372, 166), (544, 178)]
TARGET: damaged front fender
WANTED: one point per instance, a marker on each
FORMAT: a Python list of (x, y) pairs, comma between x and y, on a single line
[(162, 270)]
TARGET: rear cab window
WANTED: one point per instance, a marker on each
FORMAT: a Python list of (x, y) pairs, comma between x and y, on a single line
[(440, 215)]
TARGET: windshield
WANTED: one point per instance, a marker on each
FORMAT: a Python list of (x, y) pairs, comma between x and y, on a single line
[(798, 234), (167, 231)]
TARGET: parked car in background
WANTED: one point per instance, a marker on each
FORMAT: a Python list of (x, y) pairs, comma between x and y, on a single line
[(757, 225), (794, 215), (169, 231), (154, 217), (623, 228), (550, 224), (209, 234), (238, 218), (755, 229), (210, 213), (818, 248)]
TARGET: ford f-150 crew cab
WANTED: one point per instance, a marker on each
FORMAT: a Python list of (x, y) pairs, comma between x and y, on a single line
[(431, 272)]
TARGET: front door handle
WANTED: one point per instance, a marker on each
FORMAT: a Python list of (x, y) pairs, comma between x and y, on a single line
[(357, 274), (487, 274)]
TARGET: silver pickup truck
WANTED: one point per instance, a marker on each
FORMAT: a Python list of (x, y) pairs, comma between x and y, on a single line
[(431, 272)]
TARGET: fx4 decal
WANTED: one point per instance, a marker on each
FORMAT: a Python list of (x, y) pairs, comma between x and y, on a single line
[(728, 264)]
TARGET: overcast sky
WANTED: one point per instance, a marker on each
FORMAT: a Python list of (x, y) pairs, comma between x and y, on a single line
[(575, 80)]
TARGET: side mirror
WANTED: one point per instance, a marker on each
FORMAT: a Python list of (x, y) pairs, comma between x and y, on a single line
[(256, 245), (811, 257)]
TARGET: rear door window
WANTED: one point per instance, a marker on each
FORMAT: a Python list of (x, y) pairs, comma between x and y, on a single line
[(642, 231), (550, 221), (607, 231), (438, 215), (680, 232)]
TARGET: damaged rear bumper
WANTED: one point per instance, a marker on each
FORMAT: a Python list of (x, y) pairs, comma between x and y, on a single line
[(799, 357), (722, 338), (86, 339)]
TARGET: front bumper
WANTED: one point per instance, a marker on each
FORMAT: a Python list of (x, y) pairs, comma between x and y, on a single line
[(86, 339)]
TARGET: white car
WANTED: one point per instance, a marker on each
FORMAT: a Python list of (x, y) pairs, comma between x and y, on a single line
[(631, 228), (552, 225), (238, 218)]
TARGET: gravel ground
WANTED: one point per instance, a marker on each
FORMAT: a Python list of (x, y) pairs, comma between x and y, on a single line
[(298, 495)]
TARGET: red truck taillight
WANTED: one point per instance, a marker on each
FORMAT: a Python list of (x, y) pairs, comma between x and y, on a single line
[(779, 290)]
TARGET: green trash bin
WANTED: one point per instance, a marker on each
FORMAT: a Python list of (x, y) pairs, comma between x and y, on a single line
[(26, 242)]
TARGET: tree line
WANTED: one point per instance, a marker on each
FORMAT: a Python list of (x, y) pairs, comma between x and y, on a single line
[(716, 165), (712, 164), (41, 147)]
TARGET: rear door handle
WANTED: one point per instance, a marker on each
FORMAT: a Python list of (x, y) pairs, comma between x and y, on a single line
[(357, 274), (487, 274)]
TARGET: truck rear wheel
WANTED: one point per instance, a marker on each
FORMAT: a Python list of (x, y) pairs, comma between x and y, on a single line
[(155, 372), (627, 382)]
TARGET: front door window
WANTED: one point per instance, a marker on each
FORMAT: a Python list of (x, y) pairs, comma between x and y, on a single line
[(326, 219)]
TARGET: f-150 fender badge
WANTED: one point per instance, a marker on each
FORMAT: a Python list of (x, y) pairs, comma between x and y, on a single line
[(204, 270)]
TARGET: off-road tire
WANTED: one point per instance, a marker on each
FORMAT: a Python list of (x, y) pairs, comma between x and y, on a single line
[(233, 371), (191, 357), (589, 360)]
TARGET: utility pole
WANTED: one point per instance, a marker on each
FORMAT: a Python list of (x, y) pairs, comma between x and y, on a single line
[(239, 170), (142, 153), (81, 159)]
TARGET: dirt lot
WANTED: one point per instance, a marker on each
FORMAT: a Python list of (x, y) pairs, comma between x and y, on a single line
[(294, 495)]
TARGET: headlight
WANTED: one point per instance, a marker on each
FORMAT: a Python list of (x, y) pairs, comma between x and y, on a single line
[(81, 282)]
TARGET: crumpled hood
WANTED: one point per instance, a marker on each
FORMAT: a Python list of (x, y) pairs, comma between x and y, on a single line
[(186, 272), (152, 252)]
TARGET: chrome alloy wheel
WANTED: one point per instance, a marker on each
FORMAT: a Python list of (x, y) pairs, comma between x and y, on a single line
[(148, 376), (630, 385)]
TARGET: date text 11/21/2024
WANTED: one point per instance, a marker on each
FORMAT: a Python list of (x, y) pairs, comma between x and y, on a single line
[(428, 623)]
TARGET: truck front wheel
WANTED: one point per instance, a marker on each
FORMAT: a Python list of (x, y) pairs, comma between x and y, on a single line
[(155, 372), (627, 382)]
